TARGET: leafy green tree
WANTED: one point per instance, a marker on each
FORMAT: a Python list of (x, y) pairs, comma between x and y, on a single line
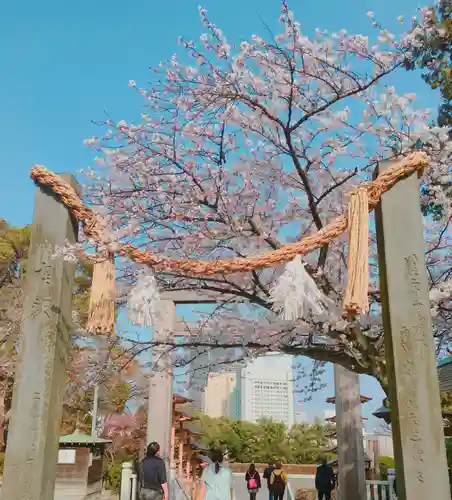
[(386, 463), (434, 58), (14, 244), (434, 55), (446, 401), (308, 442), (274, 442), (265, 440)]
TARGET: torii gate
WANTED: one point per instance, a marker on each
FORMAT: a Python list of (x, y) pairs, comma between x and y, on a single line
[(45, 334)]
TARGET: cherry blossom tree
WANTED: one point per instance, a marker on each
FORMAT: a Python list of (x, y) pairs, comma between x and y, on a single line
[(242, 148), (127, 432)]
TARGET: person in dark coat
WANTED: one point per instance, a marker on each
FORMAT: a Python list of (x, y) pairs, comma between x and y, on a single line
[(152, 475), (324, 480), (267, 475)]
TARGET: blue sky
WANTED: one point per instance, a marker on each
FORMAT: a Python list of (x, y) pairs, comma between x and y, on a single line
[(64, 63)]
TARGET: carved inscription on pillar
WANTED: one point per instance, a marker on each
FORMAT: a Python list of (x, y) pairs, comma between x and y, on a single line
[(32, 451), (411, 366), (413, 341)]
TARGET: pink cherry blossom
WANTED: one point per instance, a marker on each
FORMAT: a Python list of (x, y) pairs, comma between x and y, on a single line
[(248, 146)]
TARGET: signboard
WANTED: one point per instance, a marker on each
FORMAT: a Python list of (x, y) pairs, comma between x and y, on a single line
[(66, 457)]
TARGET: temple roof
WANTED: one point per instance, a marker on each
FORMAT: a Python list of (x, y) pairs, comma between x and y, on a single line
[(195, 432), (200, 446), (184, 417), (366, 459), (385, 414), (178, 399), (78, 437), (444, 361), (364, 399), (381, 412), (333, 419)]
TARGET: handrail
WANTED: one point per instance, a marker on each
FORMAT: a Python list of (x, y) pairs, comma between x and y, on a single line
[(290, 495), (375, 490), (175, 480)]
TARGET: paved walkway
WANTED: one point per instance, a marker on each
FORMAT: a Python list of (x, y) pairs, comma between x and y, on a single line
[(296, 481)]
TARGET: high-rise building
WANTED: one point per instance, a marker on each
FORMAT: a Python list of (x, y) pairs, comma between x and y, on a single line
[(202, 364), (266, 387), (221, 396)]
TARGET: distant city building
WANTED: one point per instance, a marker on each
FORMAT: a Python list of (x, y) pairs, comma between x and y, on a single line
[(266, 389), (204, 368), (222, 395)]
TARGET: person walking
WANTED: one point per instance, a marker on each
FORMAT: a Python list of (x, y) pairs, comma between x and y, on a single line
[(216, 479), (278, 482), (253, 481), (324, 480), (152, 475), (267, 475)]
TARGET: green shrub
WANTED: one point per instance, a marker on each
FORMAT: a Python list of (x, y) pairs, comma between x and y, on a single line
[(448, 442), (385, 464), (113, 475)]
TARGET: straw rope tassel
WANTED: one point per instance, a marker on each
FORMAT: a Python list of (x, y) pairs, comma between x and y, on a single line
[(356, 300), (101, 318)]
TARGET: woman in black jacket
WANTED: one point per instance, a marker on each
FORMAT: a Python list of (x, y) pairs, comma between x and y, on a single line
[(253, 481)]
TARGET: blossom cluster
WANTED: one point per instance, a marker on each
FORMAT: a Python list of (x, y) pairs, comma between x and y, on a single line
[(245, 147)]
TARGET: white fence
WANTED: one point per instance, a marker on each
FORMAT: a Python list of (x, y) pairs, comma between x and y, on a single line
[(128, 482), (380, 490), (376, 490), (290, 493)]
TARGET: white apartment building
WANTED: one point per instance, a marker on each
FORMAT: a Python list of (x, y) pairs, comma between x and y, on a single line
[(266, 389), (221, 396)]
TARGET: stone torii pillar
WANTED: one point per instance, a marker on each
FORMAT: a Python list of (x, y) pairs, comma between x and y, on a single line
[(350, 447), (160, 404), (421, 466), (32, 450), (161, 380)]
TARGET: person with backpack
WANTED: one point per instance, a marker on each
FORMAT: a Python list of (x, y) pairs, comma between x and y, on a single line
[(267, 475), (278, 482), (253, 481), (324, 480)]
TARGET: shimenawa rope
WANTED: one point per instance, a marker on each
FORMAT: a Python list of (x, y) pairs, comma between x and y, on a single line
[(93, 225), (362, 200)]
